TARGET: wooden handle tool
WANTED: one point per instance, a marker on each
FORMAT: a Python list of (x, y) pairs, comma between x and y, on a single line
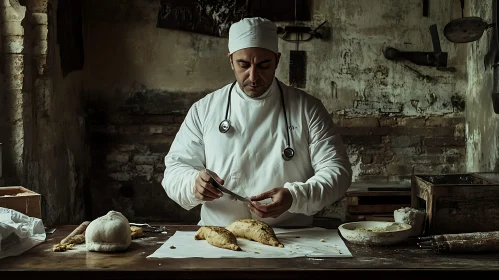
[(462, 246), (461, 236), (80, 229)]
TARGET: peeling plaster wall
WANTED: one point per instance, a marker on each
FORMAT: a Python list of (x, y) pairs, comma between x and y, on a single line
[(482, 124), (350, 74), (56, 157), (139, 81), (127, 54), (346, 70), (43, 125)]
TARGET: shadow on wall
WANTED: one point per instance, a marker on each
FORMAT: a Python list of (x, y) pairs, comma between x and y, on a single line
[(128, 146)]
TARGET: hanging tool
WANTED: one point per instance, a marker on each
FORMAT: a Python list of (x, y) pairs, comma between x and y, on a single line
[(299, 30), (437, 58), (465, 29), (425, 8), (441, 57), (425, 78), (462, 8)]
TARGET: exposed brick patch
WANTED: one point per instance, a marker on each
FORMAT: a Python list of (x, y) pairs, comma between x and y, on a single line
[(358, 122), (444, 121), (364, 130), (124, 118), (362, 140), (433, 150), (404, 141), (152, 102), (444, 141), (387, 121), (398, 168), (389, 146), (383, 156), (411, 122), (367, 159), (147, 159), (392, 148), (423, 131), (118, 157)]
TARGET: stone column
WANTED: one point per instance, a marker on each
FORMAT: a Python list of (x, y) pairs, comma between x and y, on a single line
[(11, 96)]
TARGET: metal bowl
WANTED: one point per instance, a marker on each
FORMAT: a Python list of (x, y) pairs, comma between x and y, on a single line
[(375, 232)]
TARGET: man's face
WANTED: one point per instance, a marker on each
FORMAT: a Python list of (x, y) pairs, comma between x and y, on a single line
[(254, 69)]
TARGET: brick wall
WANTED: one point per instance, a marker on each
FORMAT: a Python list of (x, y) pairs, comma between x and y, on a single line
[(128, 149), (391, 148), (127, 168)]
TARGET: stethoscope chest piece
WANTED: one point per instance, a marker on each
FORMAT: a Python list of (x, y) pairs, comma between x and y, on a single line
[(288, 153), (224, 126)]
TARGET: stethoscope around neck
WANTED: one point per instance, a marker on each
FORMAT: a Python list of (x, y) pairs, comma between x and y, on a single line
[(288, 152)]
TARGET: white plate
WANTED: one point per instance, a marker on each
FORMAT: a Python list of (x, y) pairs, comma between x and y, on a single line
[(375, 233)]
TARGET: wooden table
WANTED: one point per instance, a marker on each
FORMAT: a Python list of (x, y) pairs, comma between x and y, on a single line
[(404, 261)]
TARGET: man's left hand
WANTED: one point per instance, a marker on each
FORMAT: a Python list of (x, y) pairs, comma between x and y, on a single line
[(281, 201)]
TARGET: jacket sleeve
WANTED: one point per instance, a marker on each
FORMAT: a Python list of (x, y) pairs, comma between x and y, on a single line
[(329, 159), (184, 160)]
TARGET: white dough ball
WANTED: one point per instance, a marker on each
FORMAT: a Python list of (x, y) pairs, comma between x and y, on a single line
[(108, 233)]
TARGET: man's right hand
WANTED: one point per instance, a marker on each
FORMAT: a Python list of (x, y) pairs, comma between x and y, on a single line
[(204, 189)]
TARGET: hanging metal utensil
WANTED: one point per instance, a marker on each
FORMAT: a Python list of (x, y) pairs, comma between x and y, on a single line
[(466, 29)]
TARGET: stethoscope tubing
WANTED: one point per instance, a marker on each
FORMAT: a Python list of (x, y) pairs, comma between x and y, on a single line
[(225, 125)]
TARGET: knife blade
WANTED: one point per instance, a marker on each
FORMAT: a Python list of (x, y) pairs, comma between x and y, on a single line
[(224, 190)]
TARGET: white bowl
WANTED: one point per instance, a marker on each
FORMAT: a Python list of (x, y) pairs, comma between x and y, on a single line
[(375, 233)]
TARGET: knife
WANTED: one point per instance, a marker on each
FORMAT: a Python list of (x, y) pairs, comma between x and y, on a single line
[(224, 190), (149, 228)]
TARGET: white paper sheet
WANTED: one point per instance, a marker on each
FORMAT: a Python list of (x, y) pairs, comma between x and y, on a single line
[(308, 242)]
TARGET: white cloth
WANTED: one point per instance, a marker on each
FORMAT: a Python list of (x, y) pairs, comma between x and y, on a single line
[(19, 232), (253, 32), (248, 157)]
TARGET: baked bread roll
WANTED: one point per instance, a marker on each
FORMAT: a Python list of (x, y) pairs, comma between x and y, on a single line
[(218, 236), (136, 232), (108, 233), (255, 230)]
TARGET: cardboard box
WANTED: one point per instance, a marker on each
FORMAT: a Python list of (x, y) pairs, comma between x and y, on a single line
[(456, 203), (22, 200)]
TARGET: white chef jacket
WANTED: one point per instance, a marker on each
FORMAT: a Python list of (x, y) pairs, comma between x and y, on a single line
[(249, 156)]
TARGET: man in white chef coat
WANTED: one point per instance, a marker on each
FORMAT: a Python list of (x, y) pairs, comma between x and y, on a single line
[(272, 143)]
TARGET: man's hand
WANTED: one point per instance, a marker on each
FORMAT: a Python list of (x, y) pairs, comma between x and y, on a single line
[(281, 201), (204, 189)]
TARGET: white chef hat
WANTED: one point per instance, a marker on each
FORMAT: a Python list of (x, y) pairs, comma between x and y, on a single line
[(253, 32)]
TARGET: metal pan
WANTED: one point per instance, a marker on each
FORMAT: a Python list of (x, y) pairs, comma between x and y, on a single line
[(466, 29)]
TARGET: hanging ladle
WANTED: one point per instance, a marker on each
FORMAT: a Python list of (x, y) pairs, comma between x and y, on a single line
[(466, 29)]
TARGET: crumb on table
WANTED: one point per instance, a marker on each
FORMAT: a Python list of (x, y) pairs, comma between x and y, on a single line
[(172, 247)]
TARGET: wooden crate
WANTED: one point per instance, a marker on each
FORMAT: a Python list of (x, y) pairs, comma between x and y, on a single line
[(22, 200), (488, 176), (376, 203), (456, 203)]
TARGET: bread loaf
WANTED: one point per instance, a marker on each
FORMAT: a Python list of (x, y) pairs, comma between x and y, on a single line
[(256, 231)]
